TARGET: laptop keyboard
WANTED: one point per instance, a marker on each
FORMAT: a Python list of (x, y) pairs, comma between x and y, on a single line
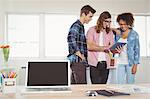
[(46, 90)]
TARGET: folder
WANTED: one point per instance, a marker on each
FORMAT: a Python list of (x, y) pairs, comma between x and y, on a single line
[(110, 93)]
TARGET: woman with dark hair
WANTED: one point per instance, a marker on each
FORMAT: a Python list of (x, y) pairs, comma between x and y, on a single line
[(99, 38), (130, 53)]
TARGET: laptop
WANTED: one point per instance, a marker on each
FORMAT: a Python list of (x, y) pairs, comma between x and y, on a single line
[(47, 76)]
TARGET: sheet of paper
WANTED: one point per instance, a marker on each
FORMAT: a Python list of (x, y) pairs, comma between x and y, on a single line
[(131, 88)]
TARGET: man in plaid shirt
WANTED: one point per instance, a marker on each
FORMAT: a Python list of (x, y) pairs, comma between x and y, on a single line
[(78, 46)]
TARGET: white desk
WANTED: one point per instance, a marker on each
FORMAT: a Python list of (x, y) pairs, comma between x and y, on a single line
[(78, 92)]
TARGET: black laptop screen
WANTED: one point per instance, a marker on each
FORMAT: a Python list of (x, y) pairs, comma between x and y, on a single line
[(47, 74)]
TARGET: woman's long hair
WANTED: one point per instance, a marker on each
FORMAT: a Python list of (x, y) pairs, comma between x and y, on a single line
[(104, 15)]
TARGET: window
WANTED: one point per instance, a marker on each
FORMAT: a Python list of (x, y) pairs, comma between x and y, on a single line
[(148, 36), (56, 31), (45, 35), (23, 35), (91, 23), (114, 21)]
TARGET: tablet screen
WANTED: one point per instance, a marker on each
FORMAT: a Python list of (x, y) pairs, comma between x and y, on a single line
[(117, 45)]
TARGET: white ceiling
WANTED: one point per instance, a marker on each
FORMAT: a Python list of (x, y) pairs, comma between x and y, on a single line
[(77, 0)]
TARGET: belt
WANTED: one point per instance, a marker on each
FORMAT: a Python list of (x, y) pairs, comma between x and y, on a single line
[(102, 61)]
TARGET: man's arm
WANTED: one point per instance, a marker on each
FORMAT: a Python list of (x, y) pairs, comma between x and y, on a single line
[(72, 40), (93, 47), (116, 30)]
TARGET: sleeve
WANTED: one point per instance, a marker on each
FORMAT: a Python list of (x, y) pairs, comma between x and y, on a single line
[(89, 35), (72, 38), (136, 50)]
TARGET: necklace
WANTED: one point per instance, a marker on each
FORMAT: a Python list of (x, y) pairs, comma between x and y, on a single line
[(125, 34)]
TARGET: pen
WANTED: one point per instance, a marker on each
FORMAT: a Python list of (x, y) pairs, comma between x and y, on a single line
[(15, 75), (3, 75), (11, 74)]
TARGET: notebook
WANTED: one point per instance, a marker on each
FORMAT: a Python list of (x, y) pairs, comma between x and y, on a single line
[(110, 93), (47, 76)]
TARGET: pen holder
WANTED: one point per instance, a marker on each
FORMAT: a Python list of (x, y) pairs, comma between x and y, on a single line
[(9, 85), (0, 79)]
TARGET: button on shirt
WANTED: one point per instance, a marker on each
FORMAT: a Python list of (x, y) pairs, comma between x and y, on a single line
[(77, 41)]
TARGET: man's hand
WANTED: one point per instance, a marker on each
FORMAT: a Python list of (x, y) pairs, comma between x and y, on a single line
[(106, 51), (80, 55), (134, 69)]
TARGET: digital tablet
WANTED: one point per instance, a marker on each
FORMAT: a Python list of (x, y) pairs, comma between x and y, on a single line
[(117, 44), (114, 47)]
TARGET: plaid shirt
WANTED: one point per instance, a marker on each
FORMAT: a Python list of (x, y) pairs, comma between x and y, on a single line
[(77, 41)]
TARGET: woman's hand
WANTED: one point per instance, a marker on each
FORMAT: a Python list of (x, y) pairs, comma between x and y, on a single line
[(134, 69), (119, 49)]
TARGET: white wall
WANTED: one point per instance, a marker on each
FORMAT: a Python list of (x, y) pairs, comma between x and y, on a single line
[(143, 71), (1, 21), (69, 7), (72, 7), (148, 3)]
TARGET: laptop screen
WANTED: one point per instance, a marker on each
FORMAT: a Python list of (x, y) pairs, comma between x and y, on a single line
[(48, 74)]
